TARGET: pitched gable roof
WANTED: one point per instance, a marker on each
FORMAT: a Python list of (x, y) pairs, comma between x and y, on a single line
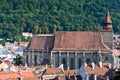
[(53, 71), (104, 71), (79, 41), (41, 43), (70, 72), (16, 75)]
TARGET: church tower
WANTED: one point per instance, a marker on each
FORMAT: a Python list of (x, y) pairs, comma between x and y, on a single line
[(107, 25), (107, 31)]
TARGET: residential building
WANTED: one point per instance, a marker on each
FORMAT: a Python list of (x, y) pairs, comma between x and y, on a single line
[(18, 76), (101, 71)]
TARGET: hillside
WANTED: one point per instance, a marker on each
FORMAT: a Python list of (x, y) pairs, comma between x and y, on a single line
[(48, 16)]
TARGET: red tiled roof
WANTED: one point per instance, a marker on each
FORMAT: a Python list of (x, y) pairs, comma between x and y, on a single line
[(9, 75), (70, 72), (53, 71), (79, 41), (27, 74), (16, 75), (41, 43), (97, 70)]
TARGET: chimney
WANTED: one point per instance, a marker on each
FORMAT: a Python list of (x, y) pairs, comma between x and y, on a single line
[(95, 77), (62, 67), (85, 64), (68, 68), (100, 64), (93, 65), (46, 66), (25, 65), (109, 66)]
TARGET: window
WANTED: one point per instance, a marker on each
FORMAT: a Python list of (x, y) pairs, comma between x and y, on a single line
[(63, 61), (79, 62), (72, 63), (35, 59), (87, 60)]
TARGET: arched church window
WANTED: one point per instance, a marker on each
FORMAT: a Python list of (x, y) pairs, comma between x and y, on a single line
[(79, 62), (72, 63), (35, 59), (63, 61), (87, 60)]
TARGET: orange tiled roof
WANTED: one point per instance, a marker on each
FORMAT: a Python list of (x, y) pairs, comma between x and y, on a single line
[(53, 71), (97, 70), (16, 75), (9, 75), (27, 74), (70, 72), (86, 41)]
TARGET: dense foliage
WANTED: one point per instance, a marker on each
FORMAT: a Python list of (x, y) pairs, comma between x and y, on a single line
[(48, 16), (18, 60)]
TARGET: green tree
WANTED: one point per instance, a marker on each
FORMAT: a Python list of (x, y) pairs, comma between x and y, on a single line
[(18, 60)]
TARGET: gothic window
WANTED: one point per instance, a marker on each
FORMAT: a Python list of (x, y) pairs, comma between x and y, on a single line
[(79, 62), (56, 59), (87, 60), (63, 61), (72, 63), (35, 59)]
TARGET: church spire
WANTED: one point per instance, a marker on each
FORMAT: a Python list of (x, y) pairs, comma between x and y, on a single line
[(107, 25)]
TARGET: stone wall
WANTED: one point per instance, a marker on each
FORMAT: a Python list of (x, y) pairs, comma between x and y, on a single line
[(75, 59), (35, 58)]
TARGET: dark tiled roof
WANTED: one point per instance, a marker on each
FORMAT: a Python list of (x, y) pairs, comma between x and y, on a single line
[(41, 43), (79, 41)]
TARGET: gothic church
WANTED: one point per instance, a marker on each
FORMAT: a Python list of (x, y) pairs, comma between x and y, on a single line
[(72, 48)]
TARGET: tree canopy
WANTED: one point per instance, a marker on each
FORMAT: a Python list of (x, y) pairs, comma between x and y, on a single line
[(49, 16)]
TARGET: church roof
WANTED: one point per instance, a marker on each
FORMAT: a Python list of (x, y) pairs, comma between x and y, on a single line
[(79, 40), (41, 43), (69, 41)]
